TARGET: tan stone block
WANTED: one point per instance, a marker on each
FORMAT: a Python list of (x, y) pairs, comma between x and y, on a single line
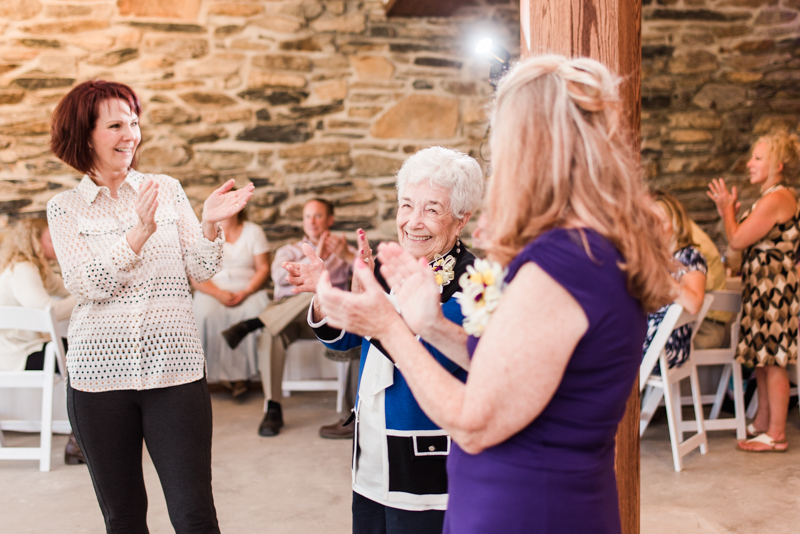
[(92, 42), (208, 100), (275, 79), (217, 65), (720, 97), (77, 10), (11, 96), (160, 153), (331, 62), (348, 125), (173, 115), (744, 77), (364, 113), (174, 9), (390, 85), (315, 150), (693, 62), (115, 57), (372, 165), (18, 54), (19, 9), (306, 9), (156, 63), (335, 7), (475, 112), (357, 211), (172, 85), (235, 9), (377, 98), (278, 24), (224, 159), (282, 62), (248, 44), (67, 26), (658, 83), (695, 119), (21, 152), (331, 90), (373, 67), (227, 115), (353, 23), (690, 136), (317, 165), (756, 62), (419, 117), (176, 47), (768, 123)]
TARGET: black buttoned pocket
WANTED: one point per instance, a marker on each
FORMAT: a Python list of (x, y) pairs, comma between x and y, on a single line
[(418, 463)]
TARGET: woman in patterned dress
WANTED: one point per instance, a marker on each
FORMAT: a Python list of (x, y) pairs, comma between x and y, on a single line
[(767, 234), (689, 270)]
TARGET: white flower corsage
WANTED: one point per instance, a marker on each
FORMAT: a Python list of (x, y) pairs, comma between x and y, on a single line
[(443, 269), (481, 288)]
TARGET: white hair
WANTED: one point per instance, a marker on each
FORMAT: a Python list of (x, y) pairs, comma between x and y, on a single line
[(447, 169)]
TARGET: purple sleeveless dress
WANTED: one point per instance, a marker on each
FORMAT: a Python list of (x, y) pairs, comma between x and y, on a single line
[(557, 474)]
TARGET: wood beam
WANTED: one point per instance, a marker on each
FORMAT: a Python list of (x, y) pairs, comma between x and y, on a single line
[(609, 31), (421, 8)]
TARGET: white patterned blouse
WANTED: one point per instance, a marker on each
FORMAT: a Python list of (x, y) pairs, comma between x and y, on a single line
[(133, 326)]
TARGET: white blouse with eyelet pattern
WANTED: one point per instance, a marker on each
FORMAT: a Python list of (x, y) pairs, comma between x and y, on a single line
[(133, 326)]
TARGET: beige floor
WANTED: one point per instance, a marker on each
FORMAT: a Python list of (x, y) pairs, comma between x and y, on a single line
[(299, 483)]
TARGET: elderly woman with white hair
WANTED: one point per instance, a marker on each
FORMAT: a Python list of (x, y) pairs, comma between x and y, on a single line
[(399, 458)]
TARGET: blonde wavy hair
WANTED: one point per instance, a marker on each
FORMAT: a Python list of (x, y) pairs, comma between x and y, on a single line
[(561, 158), (24, 244), (782, 148), (681, 224)]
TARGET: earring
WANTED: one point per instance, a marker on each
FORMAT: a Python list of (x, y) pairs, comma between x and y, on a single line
[(458, 244)]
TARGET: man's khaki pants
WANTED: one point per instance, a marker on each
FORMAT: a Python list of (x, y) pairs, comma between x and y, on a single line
[(284, 322)]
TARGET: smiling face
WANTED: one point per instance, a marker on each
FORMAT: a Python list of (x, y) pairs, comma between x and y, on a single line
[(316, 220), (758, 166), (425, 224), (115, 137)]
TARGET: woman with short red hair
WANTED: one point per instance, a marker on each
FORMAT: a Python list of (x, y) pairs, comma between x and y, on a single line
[(126, 242)]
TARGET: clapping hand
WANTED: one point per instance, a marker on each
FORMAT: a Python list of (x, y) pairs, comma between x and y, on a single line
[(224, 203), (365, 255), (146, 205), (414, 284), (330, 245), (304, 276), (718, 192), (368, 313)]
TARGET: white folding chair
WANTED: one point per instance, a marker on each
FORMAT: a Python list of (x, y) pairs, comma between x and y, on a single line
[(12, 317), (307, 356), (667, 385), (731, 302)]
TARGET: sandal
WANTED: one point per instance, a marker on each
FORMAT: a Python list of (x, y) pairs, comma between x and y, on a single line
[(751, 431), (764, 439)]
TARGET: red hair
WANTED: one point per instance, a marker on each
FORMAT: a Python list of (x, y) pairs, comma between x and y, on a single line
[(75, 118)]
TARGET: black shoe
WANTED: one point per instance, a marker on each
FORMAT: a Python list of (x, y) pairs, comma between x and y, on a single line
[(344, 428), (272, 422), (72, 453), (235, 334)]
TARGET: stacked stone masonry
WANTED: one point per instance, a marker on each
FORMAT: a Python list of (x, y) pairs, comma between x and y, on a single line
[(304, 98), (328, 97)]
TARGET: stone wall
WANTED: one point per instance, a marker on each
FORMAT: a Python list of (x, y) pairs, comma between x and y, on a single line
[(716, 74), (328, 97), (302, 97)]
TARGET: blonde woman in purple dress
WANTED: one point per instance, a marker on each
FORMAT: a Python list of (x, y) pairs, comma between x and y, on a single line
[(556, 318)]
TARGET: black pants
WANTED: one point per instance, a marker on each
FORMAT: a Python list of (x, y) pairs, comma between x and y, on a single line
[(175, 423), (370, 517)]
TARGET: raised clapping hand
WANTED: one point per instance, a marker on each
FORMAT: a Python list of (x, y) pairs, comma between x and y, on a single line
[(368, 313), (304, 276), (223, 202), (414, 284), (365, 255), (718, 192), (146, 205)]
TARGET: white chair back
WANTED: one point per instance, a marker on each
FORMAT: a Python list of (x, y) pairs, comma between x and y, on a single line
[(12, 317), (667, 385)]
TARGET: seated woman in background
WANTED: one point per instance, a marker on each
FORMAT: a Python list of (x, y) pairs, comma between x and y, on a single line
[(689, 271), (27, 280), (234, 294)]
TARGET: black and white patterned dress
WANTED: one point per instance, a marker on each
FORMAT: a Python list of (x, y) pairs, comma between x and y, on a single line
[(677, 347)]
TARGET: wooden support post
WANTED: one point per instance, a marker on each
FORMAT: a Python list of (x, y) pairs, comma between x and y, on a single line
[(610, 32)]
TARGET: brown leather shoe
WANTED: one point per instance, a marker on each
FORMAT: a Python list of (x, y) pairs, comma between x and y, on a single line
[(338, 430), (72, 453)]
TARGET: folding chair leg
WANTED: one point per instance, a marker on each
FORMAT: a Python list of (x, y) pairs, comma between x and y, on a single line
[(676, 398), (698, 408), (752, 408), (738, 401), (669, 403), (2, 438), (722, 387), (47, 409), (650, 403)]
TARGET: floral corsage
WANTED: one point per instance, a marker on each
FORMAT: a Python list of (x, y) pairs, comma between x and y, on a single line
[(481, 288), (443, 269)]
